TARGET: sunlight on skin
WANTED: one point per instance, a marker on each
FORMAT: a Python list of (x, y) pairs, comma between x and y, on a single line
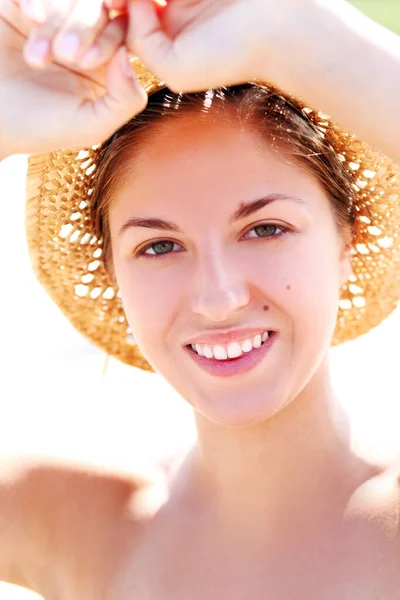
[(13, 592), (51, 351)]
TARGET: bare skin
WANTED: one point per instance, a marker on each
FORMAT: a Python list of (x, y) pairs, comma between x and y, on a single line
[(272, 502), (279, 508), (63, 105), (173, 549), (350, 550), (271, 486), (307, 42)]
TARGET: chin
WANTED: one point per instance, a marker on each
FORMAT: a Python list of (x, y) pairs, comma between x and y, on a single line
[(239, 409)]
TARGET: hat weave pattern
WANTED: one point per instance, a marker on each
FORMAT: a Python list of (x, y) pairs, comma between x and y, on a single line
[(66, 255)]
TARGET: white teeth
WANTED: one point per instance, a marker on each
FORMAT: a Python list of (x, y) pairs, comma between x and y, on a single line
[(220, 353), (247, 346), (234, 350), (208, 353), (257, 341)]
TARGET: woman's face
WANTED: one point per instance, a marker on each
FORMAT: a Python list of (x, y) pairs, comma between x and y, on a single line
[(218, 240)]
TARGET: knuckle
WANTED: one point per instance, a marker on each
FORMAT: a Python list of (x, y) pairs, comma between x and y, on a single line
[(79, 28), (174, 86), (175, 81), (46, 30)]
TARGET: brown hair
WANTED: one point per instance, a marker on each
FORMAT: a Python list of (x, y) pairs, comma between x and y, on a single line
[(281, 121)]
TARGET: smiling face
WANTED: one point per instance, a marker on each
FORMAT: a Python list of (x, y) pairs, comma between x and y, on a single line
[(214, 242)]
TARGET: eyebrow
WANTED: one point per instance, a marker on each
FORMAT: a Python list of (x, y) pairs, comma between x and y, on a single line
[(245, 210)]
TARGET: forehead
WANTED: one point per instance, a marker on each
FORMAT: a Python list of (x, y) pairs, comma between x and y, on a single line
[(210, 162)]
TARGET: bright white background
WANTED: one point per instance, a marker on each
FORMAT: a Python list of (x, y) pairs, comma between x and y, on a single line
[(55, 400)]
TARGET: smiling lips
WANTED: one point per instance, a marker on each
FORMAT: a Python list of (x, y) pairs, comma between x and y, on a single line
[(231, 350)]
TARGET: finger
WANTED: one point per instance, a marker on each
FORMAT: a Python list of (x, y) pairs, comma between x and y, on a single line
[(124, 98), (35, 11), (185, 62), (37, 50), (106, 44), (13, 17), (86, 21), (53, 13), (147, 39)]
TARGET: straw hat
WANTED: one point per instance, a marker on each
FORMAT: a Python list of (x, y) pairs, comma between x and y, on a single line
[(66, 255)]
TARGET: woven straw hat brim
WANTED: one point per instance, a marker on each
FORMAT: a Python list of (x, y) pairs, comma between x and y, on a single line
[(66, 255)]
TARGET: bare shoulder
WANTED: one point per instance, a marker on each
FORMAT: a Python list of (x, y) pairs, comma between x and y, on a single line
[(72, 518), (377, 501)]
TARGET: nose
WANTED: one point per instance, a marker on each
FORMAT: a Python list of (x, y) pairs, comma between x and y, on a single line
[(220, 289)]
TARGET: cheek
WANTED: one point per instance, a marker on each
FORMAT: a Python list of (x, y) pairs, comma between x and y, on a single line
[(151, 297), (312, 290), (302, 280)]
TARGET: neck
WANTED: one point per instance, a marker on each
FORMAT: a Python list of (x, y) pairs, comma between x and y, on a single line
[(281, 470)]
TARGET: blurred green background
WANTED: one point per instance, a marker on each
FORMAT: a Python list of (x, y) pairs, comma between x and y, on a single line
[(386, 12)]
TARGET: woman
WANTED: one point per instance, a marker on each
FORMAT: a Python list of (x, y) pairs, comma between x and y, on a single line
[(228, 221)]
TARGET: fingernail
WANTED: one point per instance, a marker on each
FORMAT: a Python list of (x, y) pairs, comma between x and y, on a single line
[(67, 47), (91, 59), (36, 51)]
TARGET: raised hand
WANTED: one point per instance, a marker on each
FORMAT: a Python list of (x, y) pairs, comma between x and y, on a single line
[(51, 100), (72, 31), (196, 44)]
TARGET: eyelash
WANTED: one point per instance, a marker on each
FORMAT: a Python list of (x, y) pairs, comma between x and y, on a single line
[(282, 231)]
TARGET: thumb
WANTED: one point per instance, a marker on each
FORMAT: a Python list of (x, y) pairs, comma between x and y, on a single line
[(123, 99), (147, 39)]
